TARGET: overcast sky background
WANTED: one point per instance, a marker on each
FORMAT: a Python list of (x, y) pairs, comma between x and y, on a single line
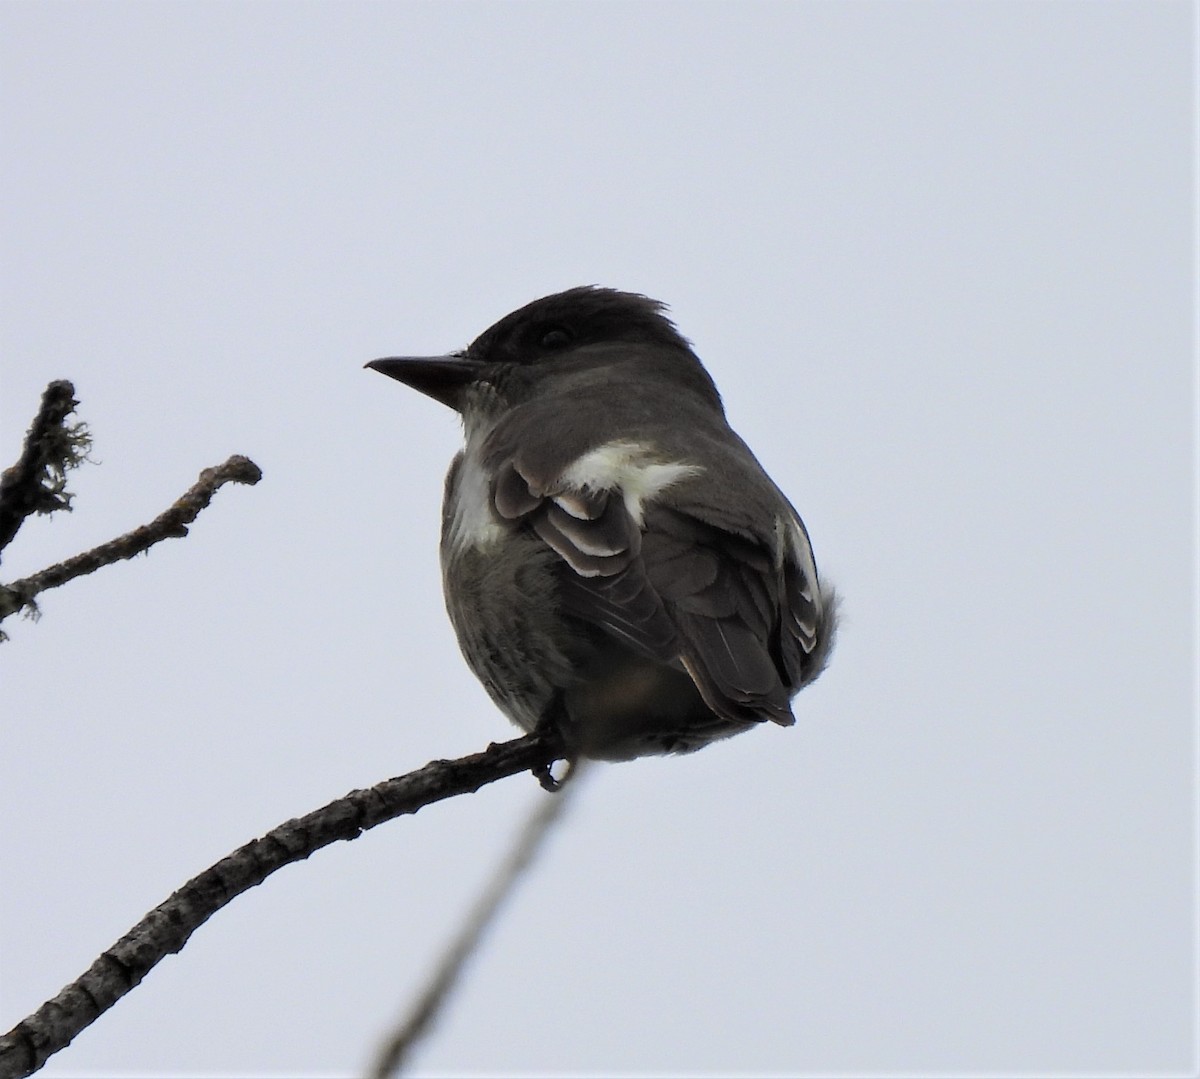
[(938, 258)]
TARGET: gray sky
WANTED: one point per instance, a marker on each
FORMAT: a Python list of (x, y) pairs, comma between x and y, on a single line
[(938, 259)]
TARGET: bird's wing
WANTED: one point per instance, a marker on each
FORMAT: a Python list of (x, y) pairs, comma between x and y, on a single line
[(739, 616), (604, 576), (727, 599)]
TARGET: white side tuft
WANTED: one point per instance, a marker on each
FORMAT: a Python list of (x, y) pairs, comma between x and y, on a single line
[(474, 524), (628, 467)]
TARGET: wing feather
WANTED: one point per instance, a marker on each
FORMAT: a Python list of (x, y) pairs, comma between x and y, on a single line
[(739, 615)]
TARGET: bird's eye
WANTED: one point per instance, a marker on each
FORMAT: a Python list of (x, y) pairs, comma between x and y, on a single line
[(555, 338)]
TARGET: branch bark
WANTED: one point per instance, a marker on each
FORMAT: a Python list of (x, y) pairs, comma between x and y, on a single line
[(166, 929), (171, 523)]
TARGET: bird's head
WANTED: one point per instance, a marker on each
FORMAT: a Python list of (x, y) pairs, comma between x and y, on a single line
[(582, 331)]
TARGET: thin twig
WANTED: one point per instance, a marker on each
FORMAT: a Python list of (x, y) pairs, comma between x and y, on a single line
[(398, 1047), (172, 522), (37, 482), (166, 929)]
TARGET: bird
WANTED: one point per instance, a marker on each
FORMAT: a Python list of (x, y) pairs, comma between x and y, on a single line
[(616, 564)]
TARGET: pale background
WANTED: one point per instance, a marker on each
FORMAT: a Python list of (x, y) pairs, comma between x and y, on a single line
[(938, 257)]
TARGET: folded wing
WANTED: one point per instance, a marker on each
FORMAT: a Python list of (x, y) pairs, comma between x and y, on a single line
[(739, 614)]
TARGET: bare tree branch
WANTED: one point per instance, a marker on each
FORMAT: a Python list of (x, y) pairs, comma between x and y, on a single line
[(172, 522), (166, 929), (397, 1049), (37, 482)]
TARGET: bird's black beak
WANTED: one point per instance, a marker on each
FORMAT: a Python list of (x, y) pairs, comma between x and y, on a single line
[(444, 378)]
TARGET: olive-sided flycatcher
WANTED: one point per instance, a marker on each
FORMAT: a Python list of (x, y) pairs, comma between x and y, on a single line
[(615, 560)]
